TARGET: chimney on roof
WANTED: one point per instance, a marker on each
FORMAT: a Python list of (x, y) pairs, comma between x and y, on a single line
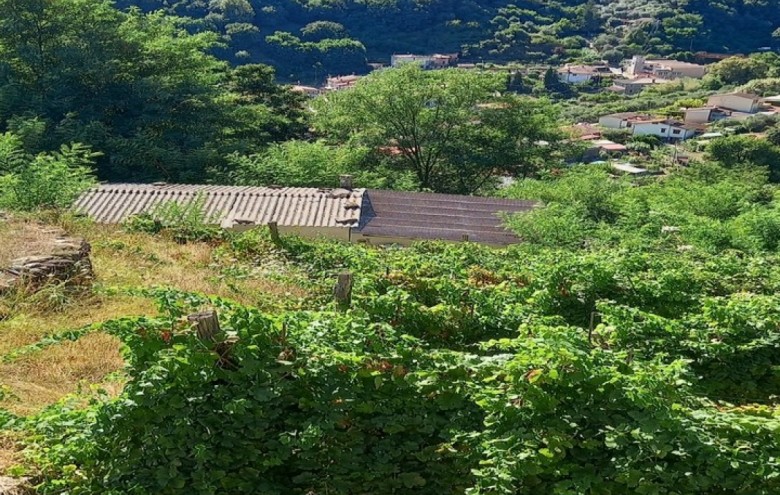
[(345, 181)]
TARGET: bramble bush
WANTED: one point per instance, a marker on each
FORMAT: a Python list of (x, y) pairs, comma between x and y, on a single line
[(623, 364), (327, 402)]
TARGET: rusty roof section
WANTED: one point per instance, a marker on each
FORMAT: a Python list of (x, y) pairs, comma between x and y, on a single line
[(438, 216), (228, 205)]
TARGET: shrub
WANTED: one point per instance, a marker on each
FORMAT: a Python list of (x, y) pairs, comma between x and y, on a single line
[(48, 180), (186, 222)]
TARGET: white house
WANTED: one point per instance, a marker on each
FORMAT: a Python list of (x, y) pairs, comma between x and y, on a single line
[(435, 61), (704, 115), (622, 120), (339, 83), (667, 129), (664, 68), (739, 102), (648, 125), (579, 74)]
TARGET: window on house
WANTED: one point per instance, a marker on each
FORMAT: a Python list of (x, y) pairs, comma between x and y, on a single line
[(676, 131), (663, 130)]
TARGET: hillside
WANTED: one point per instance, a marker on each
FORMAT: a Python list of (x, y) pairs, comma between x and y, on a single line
[(642, 346), (307, 40)]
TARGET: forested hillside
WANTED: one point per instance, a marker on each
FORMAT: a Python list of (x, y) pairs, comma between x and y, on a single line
[(307, 40)]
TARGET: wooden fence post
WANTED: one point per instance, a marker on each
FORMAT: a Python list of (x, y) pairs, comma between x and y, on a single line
[(206, 324), (342, 291), (274, 228)]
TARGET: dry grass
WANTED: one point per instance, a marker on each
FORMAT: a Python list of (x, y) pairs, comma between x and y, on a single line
[(22, 238), (10, 451), (30, 326), (37, 380), (119, 259), (142, 260)]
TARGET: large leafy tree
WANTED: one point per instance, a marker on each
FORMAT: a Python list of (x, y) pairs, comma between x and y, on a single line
[(449, 127), (137, 87)]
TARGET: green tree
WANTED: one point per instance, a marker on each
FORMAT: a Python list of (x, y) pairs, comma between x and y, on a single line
[(684, 27), (746, 150), (46, 180), (315, 164), (446, 126), (742, 70), (137, 87), (773, 135), (550, 80)]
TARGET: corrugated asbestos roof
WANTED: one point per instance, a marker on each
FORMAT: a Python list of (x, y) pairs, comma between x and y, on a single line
[(438, 216), (390, 214), (229, 205)]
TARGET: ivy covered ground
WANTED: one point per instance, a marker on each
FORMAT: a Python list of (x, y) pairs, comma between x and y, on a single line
[(643, 363)]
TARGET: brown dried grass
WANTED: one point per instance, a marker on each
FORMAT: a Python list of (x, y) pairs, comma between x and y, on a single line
[(42, 378), (22, 238), (120, 259), (141, 260), (29, 326)]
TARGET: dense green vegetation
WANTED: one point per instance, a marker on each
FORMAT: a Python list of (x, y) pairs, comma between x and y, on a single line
[(307, 40), (135, 87), (629, 344), (447, 127), (637, 356)]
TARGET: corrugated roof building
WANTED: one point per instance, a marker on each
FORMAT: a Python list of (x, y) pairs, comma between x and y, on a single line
[(296, 210), (376, 217), (397, 217)]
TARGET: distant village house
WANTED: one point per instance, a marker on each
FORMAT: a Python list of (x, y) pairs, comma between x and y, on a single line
[(339, 83), (428, 62), (638, 66), (648, 125), (738, 102), (580, 74), (631, 87), (309, 91)]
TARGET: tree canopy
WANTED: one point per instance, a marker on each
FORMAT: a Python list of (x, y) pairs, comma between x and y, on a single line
[(448, 126), (139, 88)]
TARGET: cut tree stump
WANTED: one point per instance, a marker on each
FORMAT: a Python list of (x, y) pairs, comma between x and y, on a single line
[(206, 324), (342, 291)]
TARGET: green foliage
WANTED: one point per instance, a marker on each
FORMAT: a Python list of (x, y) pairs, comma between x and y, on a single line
[(709, 207), (44, 181), (185, 222), (315, 164), (447, 127), (733, 151), (459, 369), (741, 70), (137, 87)]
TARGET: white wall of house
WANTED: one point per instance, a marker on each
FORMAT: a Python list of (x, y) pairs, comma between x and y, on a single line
[(662, 130), (611, 122), (676, 72), (735, 102), (571, 78)]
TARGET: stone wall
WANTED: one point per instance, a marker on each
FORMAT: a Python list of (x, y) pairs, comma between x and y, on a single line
[(66, 260)]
